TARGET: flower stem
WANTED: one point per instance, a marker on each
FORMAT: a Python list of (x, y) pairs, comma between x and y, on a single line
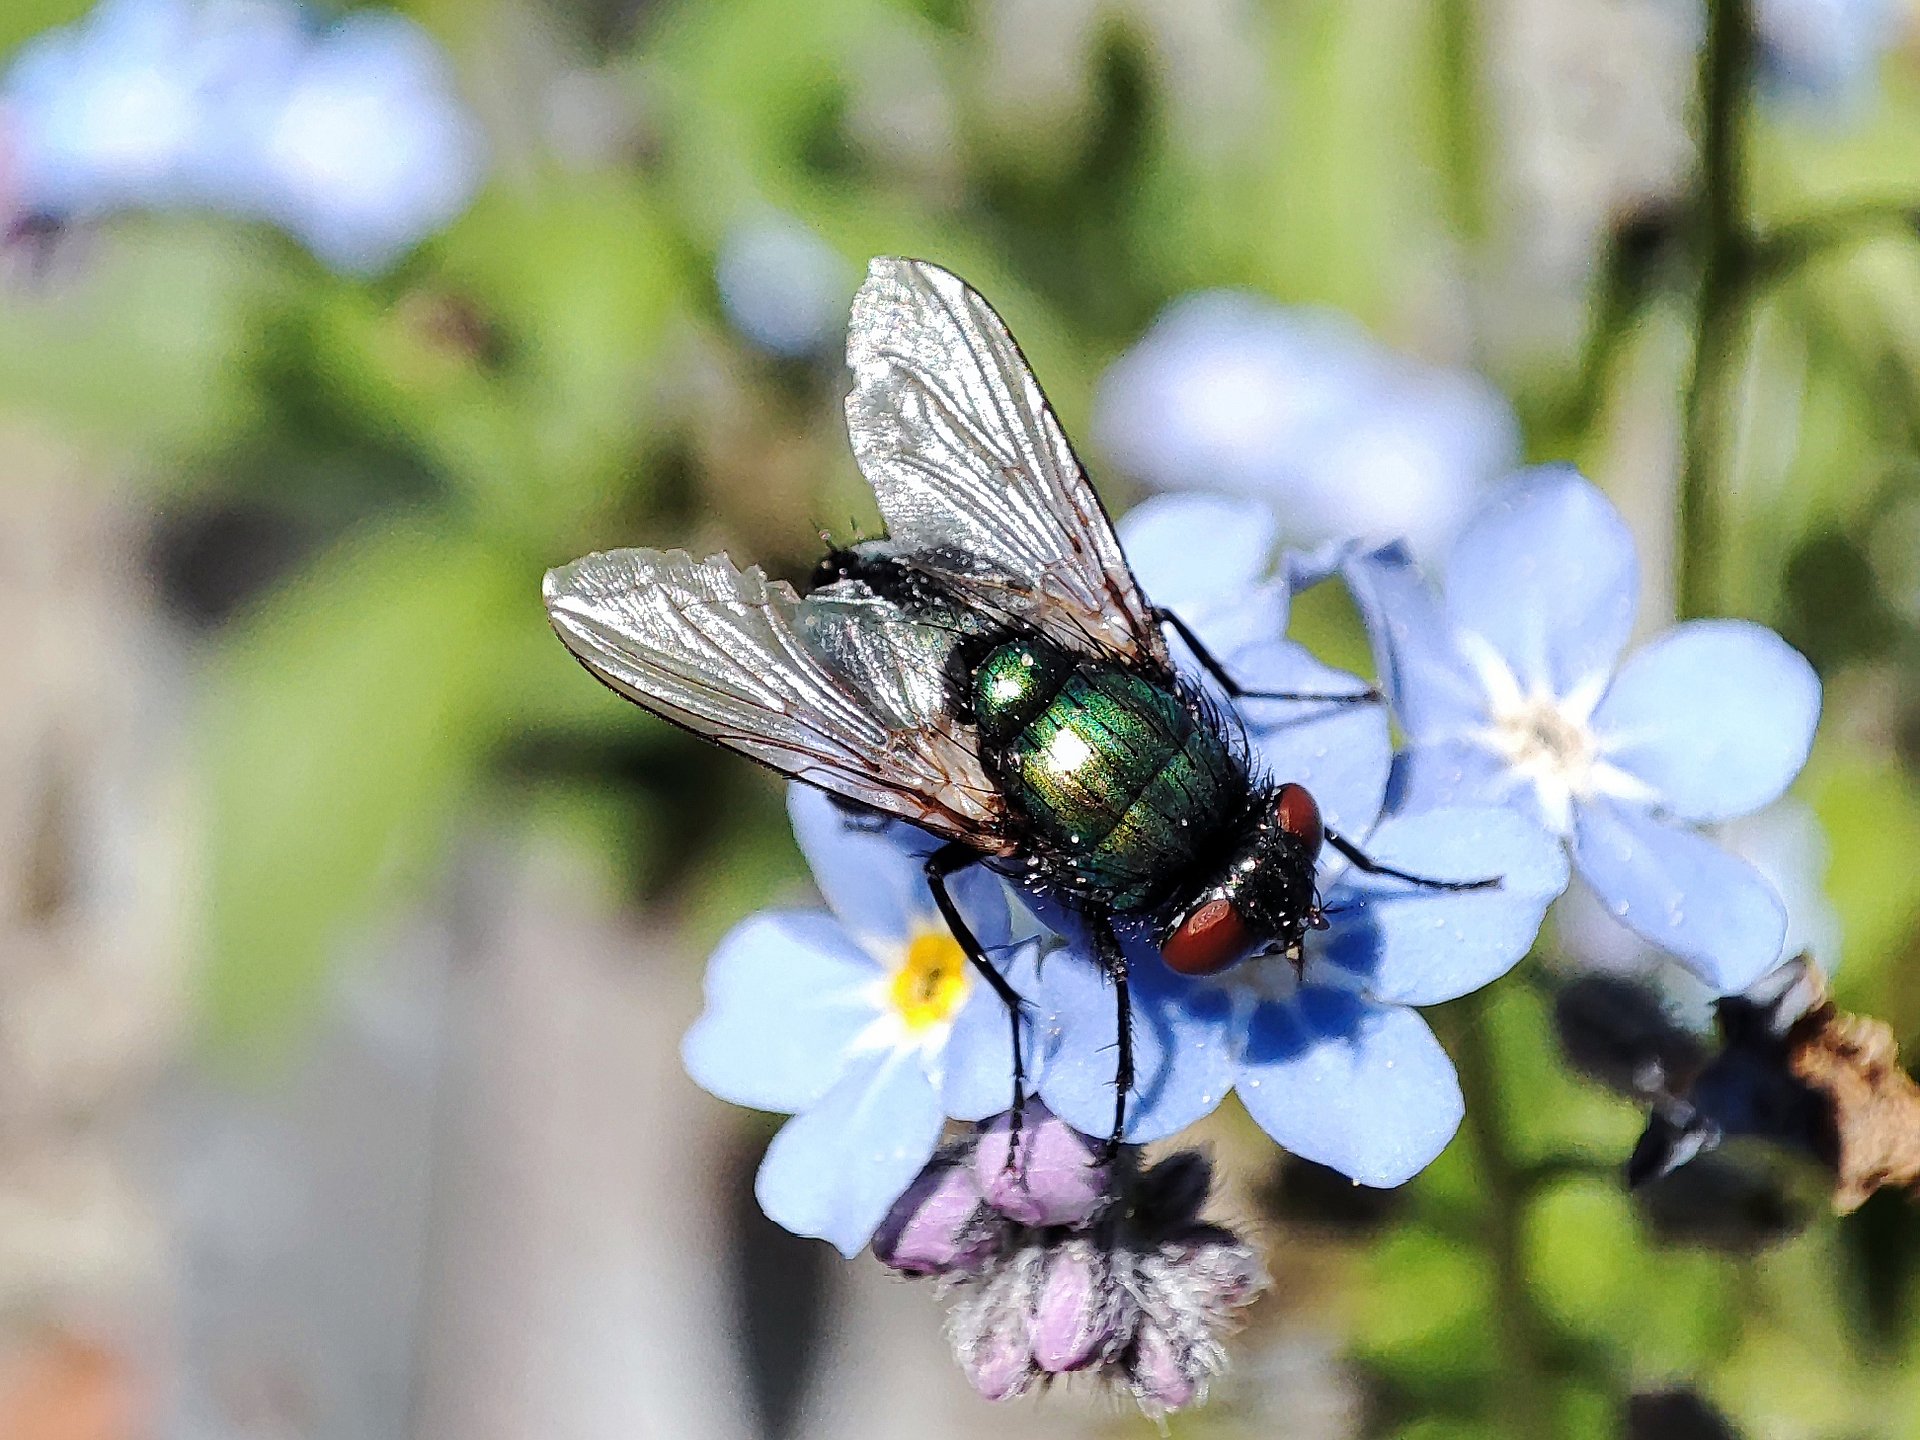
[(1525, 1396), (1725, 263), (1463, 114)]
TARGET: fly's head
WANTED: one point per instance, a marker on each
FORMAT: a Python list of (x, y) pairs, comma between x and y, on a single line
[(1264, 900)]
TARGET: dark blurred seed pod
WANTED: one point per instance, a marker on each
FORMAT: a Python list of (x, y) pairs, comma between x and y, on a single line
[(1767, 1010), (1618, 1032), (1799, 1074), (1738, 1204), (1676, 1415), (1647, 240), (1301, 1192)]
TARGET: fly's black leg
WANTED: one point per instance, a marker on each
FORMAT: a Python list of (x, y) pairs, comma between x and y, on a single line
[(940, 864), (1362, 861), (1235, 689), (1113, 960)]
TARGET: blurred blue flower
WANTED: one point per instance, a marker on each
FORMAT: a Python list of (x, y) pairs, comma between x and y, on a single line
[(1825, 53), (1334, 1063), (1786, 843), (351, 138), (866, 1024), (368, 150), (782, 286), (108, 113), (1302, 409), (1508, 693)]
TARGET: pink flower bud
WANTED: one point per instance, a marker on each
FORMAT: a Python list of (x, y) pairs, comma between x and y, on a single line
[(1077, 1311), (939, 1226), (1053, 1177), (1157, 1371)]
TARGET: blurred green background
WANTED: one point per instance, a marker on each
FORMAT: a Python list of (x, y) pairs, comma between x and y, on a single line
[(321, 506)]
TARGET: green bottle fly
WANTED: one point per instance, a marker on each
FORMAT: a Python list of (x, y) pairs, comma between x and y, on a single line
[(1107, 768)]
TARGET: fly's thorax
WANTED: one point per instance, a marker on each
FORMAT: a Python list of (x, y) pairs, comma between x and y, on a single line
[(873, 565)]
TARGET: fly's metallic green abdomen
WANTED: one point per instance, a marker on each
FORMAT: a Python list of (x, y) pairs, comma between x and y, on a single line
[(1107, 767)]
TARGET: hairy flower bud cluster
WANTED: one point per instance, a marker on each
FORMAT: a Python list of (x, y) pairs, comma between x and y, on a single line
[(1063, 1262)]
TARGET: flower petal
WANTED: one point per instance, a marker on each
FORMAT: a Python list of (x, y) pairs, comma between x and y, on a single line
[(1341, 753), (1787, 844), (1302, 405), (1183, 1061), (1681, 892), (1717, 716), (1217, 391), (1362, 1087), (871, 871), (787, 991), (1420, 947), (1209, 559), (1546, 571), (1405, 460), (977, 1066), (1436, 694), (835, 1171), (1460, 772)]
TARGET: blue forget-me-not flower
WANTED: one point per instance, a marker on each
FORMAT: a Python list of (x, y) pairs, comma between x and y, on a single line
[(864, 1022), (113, 111), (1510, 690), (782, 286), (368, 150), (1823, 53), (1785, 843), (349, 137), (1231, 391), (1334, 1062)]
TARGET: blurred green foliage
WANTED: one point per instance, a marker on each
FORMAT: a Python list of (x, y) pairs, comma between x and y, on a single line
[(553, 375)]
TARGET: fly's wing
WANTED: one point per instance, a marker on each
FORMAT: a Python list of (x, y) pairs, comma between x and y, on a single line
[(895, 662), (720, 651), (975, 478)]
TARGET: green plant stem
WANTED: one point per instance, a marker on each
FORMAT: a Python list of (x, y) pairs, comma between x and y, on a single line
[(1726, 262), (1463, 115), (1525, 1397)]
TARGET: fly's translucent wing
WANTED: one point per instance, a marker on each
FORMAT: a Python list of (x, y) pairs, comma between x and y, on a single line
[(975, 478), (720, 651), (894, 661)]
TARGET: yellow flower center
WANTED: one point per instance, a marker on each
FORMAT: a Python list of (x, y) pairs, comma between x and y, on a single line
[(930, 987)]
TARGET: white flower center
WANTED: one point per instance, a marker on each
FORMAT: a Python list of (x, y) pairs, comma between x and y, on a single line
[(1546, 745), (1547, 740)]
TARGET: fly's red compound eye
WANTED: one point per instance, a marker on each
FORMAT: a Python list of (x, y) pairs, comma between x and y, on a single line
[(1299, 816), (1208, 940)]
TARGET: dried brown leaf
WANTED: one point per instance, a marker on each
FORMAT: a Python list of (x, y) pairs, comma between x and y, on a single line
[(1853, 1063)]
